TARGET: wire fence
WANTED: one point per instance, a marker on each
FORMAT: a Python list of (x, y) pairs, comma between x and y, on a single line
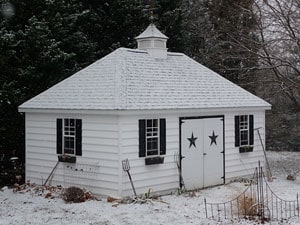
[(80, 174), (257, 202)]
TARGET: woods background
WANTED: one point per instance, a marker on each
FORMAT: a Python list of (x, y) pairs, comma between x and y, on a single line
[(254, 43)]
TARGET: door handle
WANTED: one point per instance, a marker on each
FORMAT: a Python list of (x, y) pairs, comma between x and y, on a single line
[(204, 154)]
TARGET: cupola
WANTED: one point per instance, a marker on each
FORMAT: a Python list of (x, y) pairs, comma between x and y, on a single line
[(153, 41)]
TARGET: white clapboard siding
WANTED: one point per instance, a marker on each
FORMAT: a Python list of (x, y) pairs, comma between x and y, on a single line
[(145, 177), (97, 168), (156, 177), (242, 164), (162, 184), (107, 140)]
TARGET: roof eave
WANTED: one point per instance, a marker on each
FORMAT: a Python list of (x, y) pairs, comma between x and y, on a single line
[(141, 111)]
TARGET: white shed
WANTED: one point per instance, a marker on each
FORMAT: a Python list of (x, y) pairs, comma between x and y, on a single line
[(177, 122)]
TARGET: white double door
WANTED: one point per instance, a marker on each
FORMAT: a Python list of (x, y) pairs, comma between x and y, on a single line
[(202, 152)]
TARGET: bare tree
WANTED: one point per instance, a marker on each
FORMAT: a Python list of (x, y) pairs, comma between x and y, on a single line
[(279, 36)]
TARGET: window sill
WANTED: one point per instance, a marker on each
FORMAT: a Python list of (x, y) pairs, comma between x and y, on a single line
[(246, 149), (154, 160), (67, 158)]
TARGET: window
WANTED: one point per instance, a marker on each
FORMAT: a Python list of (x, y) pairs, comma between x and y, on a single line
[(152, 137), (69, 136), (244, 132)]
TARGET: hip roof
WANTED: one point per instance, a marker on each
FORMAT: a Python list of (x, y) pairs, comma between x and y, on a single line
[(130, 79)]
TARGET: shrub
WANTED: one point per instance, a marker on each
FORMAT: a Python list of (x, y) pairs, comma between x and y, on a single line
[(247, 205), (73, 194)]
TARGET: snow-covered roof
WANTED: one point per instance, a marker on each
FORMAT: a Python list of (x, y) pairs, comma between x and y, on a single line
[(151, 31), (129, 79)]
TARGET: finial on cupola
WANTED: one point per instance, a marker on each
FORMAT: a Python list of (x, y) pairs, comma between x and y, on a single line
[(152, 40)]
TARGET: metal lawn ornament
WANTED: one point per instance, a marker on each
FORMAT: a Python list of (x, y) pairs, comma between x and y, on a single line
[(126, 168)]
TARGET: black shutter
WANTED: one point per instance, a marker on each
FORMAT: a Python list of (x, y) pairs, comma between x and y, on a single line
[(162, 136), (142, 138), (251, 130), (59, 136), (78, 137), (237, 130)]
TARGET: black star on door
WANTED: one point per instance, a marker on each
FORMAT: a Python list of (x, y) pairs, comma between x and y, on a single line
[(192, 140), (213, 138)]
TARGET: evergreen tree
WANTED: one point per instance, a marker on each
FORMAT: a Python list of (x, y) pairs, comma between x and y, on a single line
[(170, 21), (217, 32), (45, 41)]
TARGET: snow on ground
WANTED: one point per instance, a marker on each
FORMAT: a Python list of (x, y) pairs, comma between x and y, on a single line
[(28, 208)]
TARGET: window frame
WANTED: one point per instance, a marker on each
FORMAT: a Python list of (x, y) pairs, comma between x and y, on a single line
[(244, 128), (152, 132), (66, 129), (69, 132), (159, 133), (244, 124)]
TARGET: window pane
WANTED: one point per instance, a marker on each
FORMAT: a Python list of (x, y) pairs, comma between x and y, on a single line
[(72, 122), (154, 152), (69, 145), (69, 151), (72, 144), (72, 131), (149, 123), (244, 142), (152, 146), (244, 137), (155, 143), (155, 123), (66, 143), (149, 130)]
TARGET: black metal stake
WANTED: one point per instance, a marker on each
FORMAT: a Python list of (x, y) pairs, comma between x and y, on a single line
[(269, 174), (231, 209), (51, 173), (205, 207), (219, 217), (298, 204)]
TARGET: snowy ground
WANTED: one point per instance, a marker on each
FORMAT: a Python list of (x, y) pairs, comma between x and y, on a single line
[(27, 208)]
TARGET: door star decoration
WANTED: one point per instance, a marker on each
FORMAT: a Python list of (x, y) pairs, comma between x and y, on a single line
[(192, 140), (213, 138)]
